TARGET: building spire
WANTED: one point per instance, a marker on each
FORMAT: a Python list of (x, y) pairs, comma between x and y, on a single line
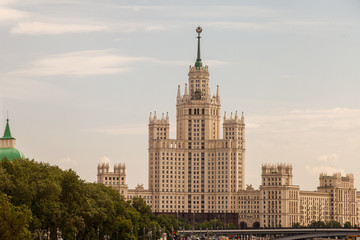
[(178, 92), (7, 132), (217, 94), (198, 63)]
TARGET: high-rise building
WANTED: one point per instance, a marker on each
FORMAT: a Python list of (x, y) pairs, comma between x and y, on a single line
[(198, 172), (201, 176)]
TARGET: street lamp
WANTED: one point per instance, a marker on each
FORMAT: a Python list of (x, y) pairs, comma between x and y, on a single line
[(42, 232), (58, 234), (150, 234)]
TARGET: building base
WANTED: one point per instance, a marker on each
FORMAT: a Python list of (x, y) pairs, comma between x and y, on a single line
[(225, 218)]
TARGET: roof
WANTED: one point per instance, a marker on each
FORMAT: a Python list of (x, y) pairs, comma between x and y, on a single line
[(10, 153), (7, 132)]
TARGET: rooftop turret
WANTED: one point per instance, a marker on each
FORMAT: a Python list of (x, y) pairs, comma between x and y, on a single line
[(8, 144), (7, 132)]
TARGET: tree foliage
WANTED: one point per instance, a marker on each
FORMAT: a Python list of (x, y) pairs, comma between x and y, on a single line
[(214, 224), (333, 224), (39, 197), (348, 225), (322, 224), (14, 220), (317, 224)]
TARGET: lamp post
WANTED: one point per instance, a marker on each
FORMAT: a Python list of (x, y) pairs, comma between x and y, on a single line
[(98, 232), (58, 234), (150, 234), (172, 232), (42, 232), (75, 233)]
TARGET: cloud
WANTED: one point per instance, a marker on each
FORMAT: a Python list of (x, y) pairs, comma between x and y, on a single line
[(293, 76), (126, 129), (67, 162), (269, 25), (252, 125), (215, 62), (315, 171), (105, 159), (9, 14), (40, 28), (212, 10), (87, 63), (25, 89), (82, 63), (333, 157), (237, 25), (337, 119), (155, 28)]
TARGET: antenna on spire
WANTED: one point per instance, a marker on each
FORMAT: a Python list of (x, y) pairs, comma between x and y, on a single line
[(199, 30), (7, 115), (198, 62)]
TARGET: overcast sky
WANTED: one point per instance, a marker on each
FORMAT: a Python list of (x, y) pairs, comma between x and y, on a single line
[(79, 79)]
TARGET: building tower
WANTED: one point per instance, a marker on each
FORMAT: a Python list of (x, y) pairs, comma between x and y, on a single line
[(279, 198), (198, 172), (115, 179), (8, 145), (343, 197)]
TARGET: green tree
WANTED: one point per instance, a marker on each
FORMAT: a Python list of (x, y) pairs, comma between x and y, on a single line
[(124, 227), (333, 224), (59, 199), (14, 220), (297, 225), (347, 225), (317, 224)]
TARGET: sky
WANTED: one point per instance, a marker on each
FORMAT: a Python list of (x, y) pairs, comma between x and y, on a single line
[(79, 79)]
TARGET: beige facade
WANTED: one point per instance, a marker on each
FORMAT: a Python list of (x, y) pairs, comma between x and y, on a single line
[(277, 202), (343, 206), (314, 206), (282, 204), (115, 179), (199, 172)]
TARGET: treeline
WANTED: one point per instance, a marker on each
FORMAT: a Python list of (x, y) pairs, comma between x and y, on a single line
[(214, 224), (322, 224), (37, 198)]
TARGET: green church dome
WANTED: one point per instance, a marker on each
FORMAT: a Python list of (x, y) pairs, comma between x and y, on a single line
[(10, 153), (7, 146)]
